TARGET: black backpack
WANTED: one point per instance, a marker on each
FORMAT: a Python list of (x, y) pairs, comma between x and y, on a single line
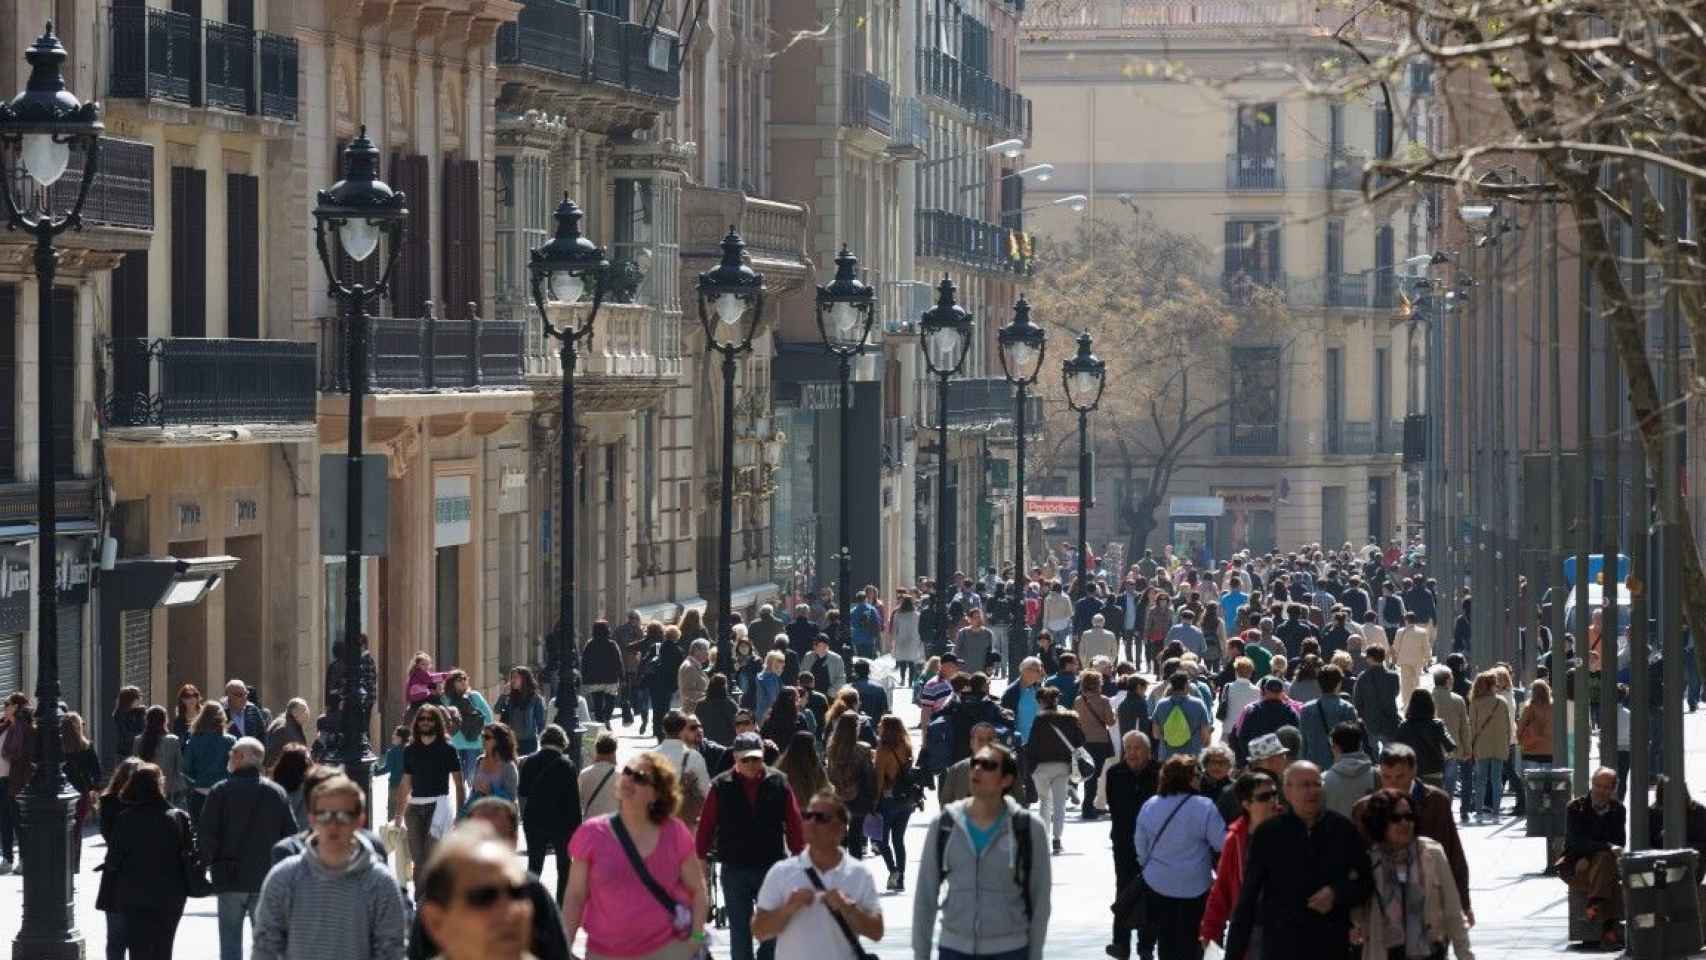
[(1021, 853)]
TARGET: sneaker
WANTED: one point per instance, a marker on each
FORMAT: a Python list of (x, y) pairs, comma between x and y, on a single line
[(1114, 950), (1058, 849)]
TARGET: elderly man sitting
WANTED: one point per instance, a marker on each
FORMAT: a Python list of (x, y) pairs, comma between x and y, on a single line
[(1594, 838)]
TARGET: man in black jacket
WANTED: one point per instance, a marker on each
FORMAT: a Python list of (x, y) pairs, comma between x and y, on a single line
[(550, 795), (1376, 698), (244, 816), (973, 708), (1127, 785), (802, 632), (1307, 869), (1263, 717), (1293, 631), (1594, 837)]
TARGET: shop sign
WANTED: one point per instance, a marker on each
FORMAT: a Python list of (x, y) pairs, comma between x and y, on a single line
[(1036, 506), (452, 511), (1196, 506), (823, 395), (245, 514), (186, 518), (1246, 498)]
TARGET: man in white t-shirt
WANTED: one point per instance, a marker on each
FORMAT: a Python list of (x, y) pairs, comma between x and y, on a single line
[(802, 915)]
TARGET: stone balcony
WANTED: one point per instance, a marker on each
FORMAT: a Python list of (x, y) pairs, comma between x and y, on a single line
[(612, 74), (775, 235), (632, 357)]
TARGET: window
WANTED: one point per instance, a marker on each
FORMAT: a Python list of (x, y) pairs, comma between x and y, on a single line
[(1384, 266), (1334, 380), (1258, 132), (1253, 250), (1336, 128), (1255, 410), (1382, 133), (242, 256), (1382, 397), (189, 252), (636, 231)]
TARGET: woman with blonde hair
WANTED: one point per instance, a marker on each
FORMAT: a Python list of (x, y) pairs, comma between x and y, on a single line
[(1491, 728), (291, 726), (609, 897)]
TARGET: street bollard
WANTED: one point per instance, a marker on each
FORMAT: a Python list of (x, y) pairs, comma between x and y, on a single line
[(1661, 900)]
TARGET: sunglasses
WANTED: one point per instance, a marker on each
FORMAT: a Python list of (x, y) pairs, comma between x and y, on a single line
[(1265, 796), (818, 816), (986, 763), (484, 897), (637, 775), (328, 817), (1404, 817)]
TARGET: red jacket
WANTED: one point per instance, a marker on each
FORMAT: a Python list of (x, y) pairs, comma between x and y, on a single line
[(1228, 880)]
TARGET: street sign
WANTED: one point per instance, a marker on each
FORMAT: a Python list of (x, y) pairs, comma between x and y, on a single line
[(1036, 506), (375, 501), (823, 395)]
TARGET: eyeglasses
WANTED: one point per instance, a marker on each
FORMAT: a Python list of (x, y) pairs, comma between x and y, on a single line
[(818, 816), (341, 817), (637, 775), (484, 897), (1265, 796), (986, 763)]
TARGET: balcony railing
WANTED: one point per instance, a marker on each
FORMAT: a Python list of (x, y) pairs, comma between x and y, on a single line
[(123, 192), (1253, 439), (1255, 171), (986, 99), (954, 236), (165, 55), (910, 138), (1368, 290), (633, 341), (973, 403), (426, 354), (868, 103), (553, 35), (1344, 169), (186, 380)]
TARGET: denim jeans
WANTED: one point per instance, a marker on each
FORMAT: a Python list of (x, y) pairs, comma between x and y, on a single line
[(8, 820), (1489, 783), (470, 759), (233, 908), (1450, 785), (740, 891)]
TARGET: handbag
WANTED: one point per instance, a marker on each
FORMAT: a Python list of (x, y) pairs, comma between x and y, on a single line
[(195, 878), (852, 938), (1132, 901)]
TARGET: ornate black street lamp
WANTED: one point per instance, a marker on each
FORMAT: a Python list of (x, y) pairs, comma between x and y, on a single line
[(734, 293), (563, 270), (945, 334), (39, 129), (845, 309), (1085, 375), (359, 210), (1022, 346)]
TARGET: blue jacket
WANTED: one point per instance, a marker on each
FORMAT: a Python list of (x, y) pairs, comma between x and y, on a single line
[(205, 755), (765, 689), (1316, 723)]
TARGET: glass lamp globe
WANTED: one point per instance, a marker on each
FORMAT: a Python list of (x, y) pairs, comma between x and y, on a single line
[(1021, 358), (45, 158), (360, 238), (567, 287), (730, 309), (1082, 385), (944, 347), (844, 319)]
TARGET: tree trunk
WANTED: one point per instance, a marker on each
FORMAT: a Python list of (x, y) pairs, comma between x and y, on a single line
[(1142, 521)]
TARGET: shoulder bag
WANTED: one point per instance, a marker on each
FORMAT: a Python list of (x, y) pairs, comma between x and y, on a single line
[(1132, 901), (852, 938), (1074, 774), (195, 878), (680, 916)]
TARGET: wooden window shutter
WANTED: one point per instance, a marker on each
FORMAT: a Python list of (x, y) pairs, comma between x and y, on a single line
[(64, 358), (453, 226), (8, 383), (242, 256), (471, 233), (412, 283), (189, 252)]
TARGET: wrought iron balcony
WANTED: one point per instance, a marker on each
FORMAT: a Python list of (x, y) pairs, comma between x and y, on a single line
[(174, 57), (180, 381), (910, 139), (989, 102), (553, 35), (123, 192), (1368, 290), (976, 243), (426, 354), (974, 403), (1250, 440), (1255, 171), (869, 103)]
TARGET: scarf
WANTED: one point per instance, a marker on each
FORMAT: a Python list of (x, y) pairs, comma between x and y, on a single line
[(1399, 893)]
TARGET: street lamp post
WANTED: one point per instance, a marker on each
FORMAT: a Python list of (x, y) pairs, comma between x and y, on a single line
[(945, 333), (359, 210), (1022, 346), (734, 292), (845, 310), (562, 270), (1085, 375), (38, 130)]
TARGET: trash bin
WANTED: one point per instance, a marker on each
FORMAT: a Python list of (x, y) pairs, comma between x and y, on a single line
[(1661, 903), (1548, 801)]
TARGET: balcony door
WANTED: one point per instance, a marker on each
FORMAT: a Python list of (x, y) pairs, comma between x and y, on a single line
[(130, 339), (189, 252)]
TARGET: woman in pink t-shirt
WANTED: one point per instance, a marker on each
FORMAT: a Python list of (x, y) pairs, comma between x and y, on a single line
[(607, 896)]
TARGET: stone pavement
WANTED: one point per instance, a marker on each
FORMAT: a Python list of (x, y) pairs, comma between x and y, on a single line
[(1521, 915)]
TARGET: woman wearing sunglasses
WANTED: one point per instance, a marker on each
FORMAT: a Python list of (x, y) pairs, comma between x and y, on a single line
[(1258, 800), (635, 884), (1415, 910)]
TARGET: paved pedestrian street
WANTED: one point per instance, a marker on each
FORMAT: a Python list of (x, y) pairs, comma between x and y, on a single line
[(1519, 913)]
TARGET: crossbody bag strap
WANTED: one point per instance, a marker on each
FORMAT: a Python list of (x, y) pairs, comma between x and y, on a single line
[(600, 788), (846, 931), (1163, 831), (656, 889)]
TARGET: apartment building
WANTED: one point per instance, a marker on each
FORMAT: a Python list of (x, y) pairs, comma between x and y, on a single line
[(1268, 180), (969, 226)]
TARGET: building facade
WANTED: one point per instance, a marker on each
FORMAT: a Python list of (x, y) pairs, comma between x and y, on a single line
[(1309, 449)]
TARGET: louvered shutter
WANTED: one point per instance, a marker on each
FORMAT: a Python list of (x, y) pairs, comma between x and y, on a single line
[(242, 256), (64, 358), (136, 652), (454, 238), (189, 252), (471, 232), (412, 283), (71, 656), (8, 384), (11, 661)]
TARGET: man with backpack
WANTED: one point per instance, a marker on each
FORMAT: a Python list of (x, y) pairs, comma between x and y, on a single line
[(985, 872), (867, 624), (1182, 723)]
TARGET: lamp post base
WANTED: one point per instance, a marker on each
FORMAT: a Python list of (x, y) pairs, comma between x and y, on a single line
[(49, 930)]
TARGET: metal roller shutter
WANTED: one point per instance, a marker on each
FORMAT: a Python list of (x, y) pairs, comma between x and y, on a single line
[(136, 651), (71, 657), (11, 662)]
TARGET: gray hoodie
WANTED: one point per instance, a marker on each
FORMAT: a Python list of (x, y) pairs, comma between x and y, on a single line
[(983, 912), (309, 911), (1352, 777)]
